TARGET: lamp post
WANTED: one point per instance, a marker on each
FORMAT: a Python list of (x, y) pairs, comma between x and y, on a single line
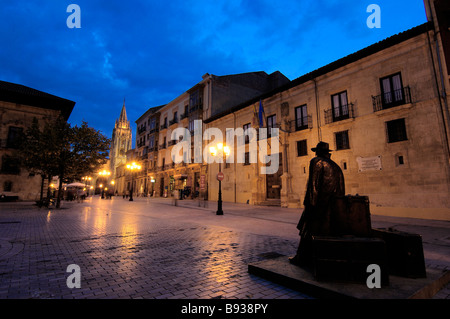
[(104, 174), (132, 167), (113, 187), (86, 179), (220, 151)]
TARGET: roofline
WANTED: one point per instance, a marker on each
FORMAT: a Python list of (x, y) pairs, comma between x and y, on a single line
[(361, 54), (21, 94), (154, 109)]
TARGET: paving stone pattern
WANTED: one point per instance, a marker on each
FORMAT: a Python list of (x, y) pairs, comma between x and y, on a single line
[(145, 258), (152, 249)]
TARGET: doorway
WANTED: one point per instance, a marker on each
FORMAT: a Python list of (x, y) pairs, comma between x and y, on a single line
[(273, 181)]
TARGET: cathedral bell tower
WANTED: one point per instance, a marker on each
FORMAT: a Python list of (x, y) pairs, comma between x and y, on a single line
[(120, 142)]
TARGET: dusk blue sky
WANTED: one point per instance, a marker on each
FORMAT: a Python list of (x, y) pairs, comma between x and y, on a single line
[(149, 52)]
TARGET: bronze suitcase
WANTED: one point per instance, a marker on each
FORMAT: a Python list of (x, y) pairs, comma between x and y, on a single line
[(351, 216), (345, 259), (404, 251)]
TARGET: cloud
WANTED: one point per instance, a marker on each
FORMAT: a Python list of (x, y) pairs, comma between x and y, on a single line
[(152, 51)]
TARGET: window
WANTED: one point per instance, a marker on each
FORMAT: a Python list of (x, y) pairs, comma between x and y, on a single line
[(152, 124), (151, 141), (342, 141), (7, 186), (10, 165), (14, 135), (247, 158), (396, 131), (400, 160), (339, 104), (191, 125), (246, 128), (301, 118), (195, 101), (392, 90), (302, 148), (271, 123)]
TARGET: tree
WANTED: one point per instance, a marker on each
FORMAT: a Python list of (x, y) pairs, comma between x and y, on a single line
[(36, 153), (64, 151), (82, 151)]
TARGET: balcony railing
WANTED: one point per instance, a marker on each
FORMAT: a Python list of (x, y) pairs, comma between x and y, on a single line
[(173, 121), (391, 99), (168, 166), (299, 125), (163, 126), (142, 129), (339, 114), (193, 108), (184, 115), (162, 146), (171, 142)]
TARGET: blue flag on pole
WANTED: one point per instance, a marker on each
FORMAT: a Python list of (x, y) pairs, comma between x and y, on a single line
[(261, 114)]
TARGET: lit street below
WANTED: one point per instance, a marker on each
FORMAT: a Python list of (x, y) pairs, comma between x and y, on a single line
[(148, 248), (152, 248)]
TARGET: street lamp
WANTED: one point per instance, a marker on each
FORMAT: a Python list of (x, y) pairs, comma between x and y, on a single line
[(220, 151), (86, 179), (113, 186), (104, 174), (132, 167)]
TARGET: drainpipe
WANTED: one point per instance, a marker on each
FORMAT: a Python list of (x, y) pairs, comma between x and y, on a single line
[(234, 160), (319, 130), (444, 109), (442, 95)]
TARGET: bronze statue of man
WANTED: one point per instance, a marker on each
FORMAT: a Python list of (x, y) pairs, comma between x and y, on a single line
[(325, 183)]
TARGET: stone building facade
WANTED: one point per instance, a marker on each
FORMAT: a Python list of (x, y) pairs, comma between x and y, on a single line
[(210, 96), (384, 112), (18, 106), (147, 138)]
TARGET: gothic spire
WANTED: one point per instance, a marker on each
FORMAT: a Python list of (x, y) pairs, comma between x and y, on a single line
[(123, 113)]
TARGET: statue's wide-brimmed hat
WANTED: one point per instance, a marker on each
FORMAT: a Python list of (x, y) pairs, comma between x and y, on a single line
[(321, 147)]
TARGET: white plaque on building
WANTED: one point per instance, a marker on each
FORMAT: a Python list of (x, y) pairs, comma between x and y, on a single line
[(369, 163)]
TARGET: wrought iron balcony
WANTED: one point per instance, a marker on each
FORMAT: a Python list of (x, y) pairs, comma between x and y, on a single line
[(344, 112), (193, 108), (300, 124), (142, 129), (184, 115), (391, 99)]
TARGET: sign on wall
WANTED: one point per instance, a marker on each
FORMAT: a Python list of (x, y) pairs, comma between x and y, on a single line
[(369, 163)]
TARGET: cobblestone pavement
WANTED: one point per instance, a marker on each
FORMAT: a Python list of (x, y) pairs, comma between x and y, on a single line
[(151, 249)]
